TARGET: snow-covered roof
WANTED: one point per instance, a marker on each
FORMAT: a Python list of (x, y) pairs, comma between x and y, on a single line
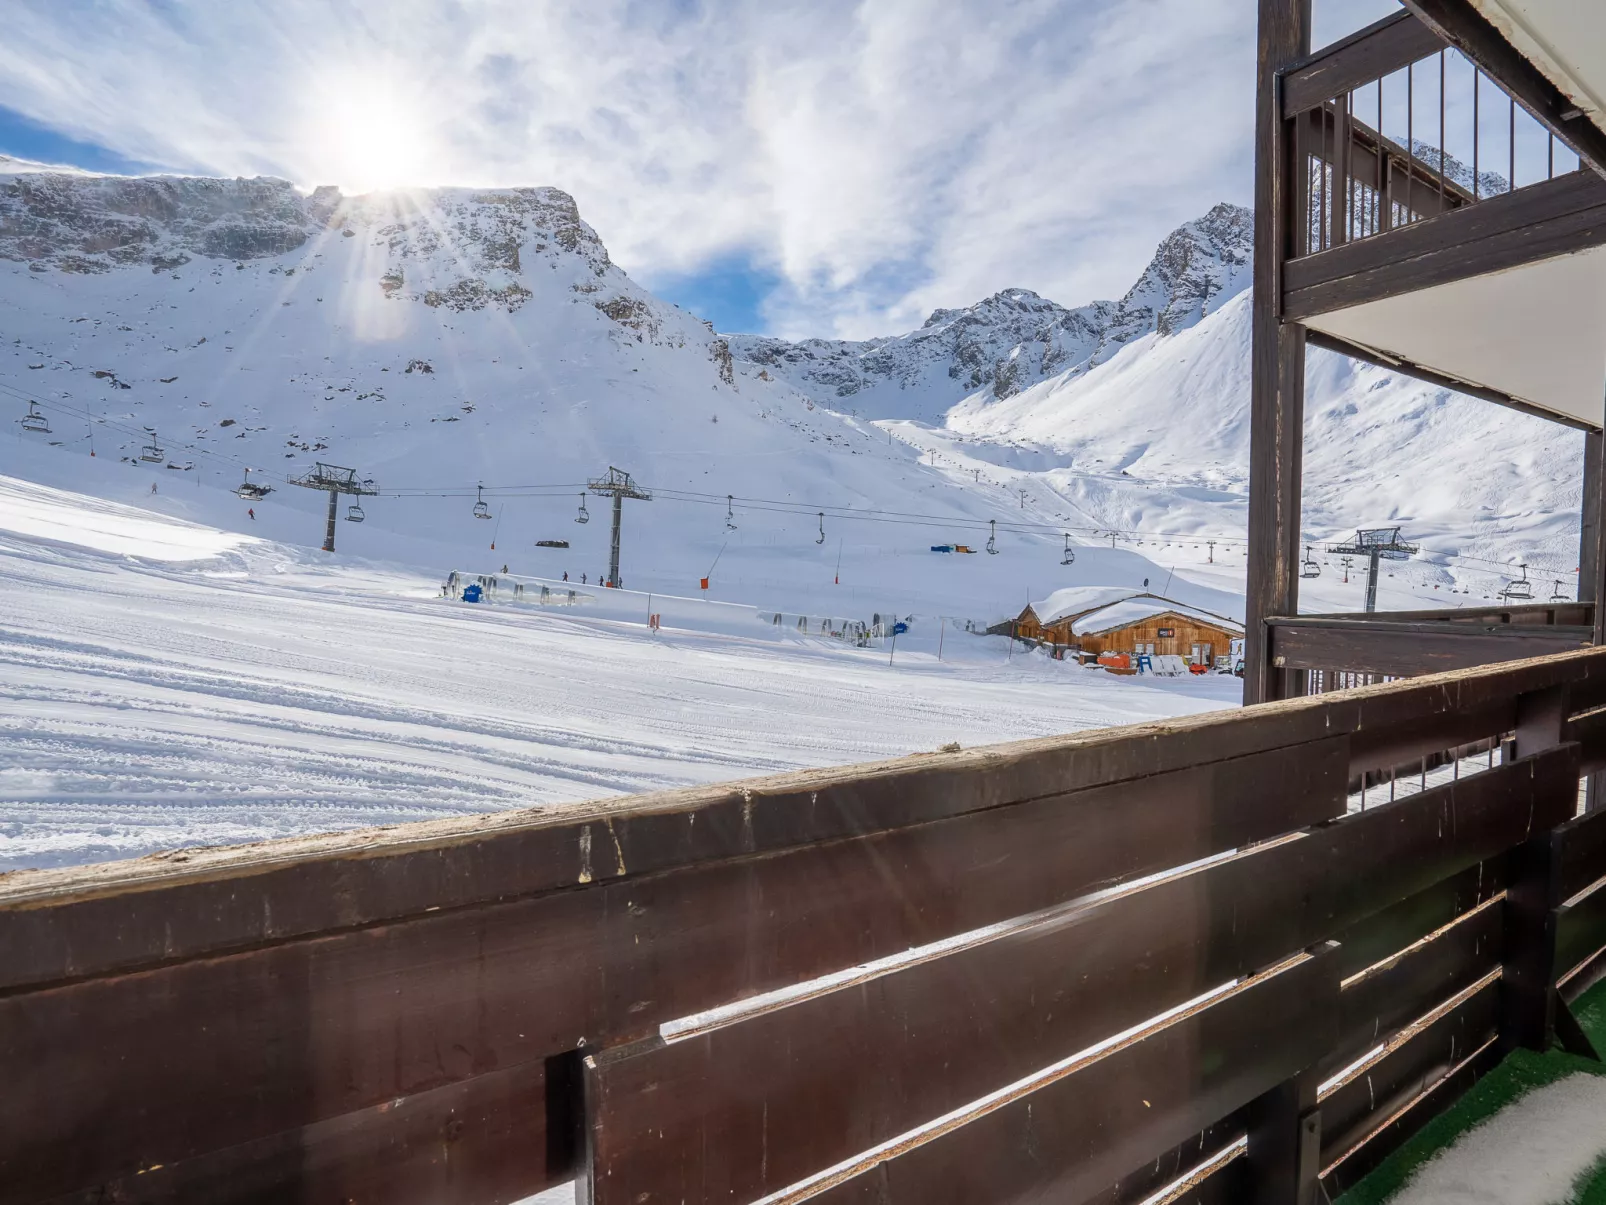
[(1135, 610), (1073, 600)]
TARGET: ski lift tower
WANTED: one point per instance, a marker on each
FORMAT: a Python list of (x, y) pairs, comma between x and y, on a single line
[(618, 486), (334, 481), (1375, 543)]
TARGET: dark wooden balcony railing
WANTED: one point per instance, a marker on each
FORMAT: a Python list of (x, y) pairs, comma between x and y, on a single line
[(1072, 969)]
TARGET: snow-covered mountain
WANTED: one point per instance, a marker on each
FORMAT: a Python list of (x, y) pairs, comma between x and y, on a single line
[(440, 339), (1014, 339)]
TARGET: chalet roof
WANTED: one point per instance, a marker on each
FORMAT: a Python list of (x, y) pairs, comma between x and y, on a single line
[(1135, 610), (1078, 600)]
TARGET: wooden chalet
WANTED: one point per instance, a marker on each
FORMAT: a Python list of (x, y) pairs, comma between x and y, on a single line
[(1101, 619), (909, 982)]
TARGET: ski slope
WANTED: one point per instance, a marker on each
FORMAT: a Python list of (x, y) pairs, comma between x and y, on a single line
[(167, 683)]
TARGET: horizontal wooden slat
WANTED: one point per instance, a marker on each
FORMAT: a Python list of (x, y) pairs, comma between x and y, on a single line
[(85, 921), (479, 1142), (1551, 218), (1412, 649), (1390, 996), (1367, 55), (1583, 849), (1576, 614), (1580, 930), (1211, 1144), (1070, 1137), (748, 1107), (1367, 1101), (1396, 1131), (301, 1032), (1589, 731), (1386, 933)]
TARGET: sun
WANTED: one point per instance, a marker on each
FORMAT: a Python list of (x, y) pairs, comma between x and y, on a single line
[(368, 136)]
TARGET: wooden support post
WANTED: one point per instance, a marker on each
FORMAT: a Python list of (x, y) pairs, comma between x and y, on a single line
[(1592, 571), (1533, 893), (1277, 387), (1285, 1144)]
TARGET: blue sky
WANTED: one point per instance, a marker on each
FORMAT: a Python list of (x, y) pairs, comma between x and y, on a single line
[(802, 167)]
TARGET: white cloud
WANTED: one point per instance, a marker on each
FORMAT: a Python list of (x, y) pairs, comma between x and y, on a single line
[(883, 157)]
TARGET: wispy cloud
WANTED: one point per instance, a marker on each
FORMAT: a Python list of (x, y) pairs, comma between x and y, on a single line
[(878, 158)]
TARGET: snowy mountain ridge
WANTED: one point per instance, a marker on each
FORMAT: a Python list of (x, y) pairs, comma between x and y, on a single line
[(1014, 339)]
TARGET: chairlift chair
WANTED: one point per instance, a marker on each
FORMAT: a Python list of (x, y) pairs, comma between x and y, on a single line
[(251, 491), (481, 511), (821, 538), (1558, 596), (1522, 588), (152, 452), (992, 536), (730, 512), (34, 421), (354, 513), (584, 516), (1070, 557), (1309, 567)]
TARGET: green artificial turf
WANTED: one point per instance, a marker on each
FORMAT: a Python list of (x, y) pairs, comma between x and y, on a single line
[(1519, 1073)]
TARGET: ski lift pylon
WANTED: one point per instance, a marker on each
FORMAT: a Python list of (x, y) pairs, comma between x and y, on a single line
[(584, 516), (1309, 567), (34, 421), (1070, 557), (481, 511), (992, 537)]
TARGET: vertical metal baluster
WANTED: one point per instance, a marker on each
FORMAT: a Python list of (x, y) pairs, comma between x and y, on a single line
[(1444, 183), (1410, 140), (1477, 131), (1511, 144), (1550, 154), (1322, 232)]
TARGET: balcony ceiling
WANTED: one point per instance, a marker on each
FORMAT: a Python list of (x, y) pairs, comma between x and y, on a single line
[(1564, 39), (1536, 333)]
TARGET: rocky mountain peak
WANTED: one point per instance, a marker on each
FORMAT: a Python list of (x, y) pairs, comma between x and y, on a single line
[(1015, 338)]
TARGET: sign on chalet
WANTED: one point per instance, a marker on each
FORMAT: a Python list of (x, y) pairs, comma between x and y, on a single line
[(1116, 619)]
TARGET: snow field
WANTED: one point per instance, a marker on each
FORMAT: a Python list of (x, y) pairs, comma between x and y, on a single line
[(266, 691)]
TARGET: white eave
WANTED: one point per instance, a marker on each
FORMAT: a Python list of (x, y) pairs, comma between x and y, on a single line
[(1536, 333), (1564, 39)]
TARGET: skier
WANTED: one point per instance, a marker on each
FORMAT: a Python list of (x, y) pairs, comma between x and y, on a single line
[(504, 568), (565, 575), (153, 487), (252, 512), (582, 579)]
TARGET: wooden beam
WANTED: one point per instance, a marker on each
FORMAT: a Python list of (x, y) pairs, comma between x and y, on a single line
[(1411, 649), (1573, 614), (1367, 55), (1277, 355), (1460, 24), (1542, 221)]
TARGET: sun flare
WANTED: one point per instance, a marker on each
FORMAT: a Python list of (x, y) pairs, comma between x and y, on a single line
[(369, 136)]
